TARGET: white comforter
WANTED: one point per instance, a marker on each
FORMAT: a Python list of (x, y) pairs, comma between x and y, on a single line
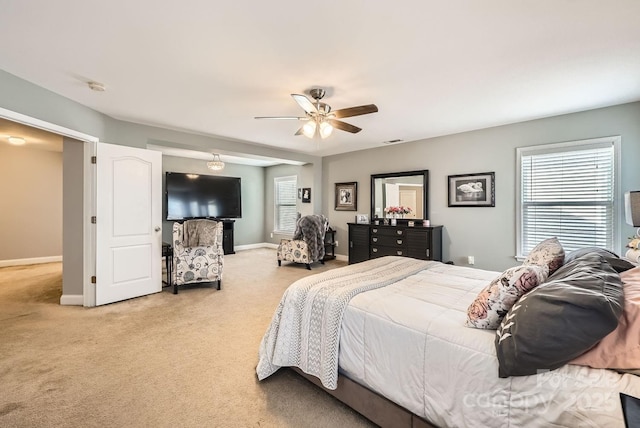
[(305, 328), (408, 342)]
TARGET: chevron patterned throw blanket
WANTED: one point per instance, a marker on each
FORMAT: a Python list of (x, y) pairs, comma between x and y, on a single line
[(305, 329)]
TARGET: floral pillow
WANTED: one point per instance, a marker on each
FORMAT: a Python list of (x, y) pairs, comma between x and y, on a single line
[(495, 300), (547, 253)]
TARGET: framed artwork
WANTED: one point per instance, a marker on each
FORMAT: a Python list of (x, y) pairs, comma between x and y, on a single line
[(346, 196), (472, 190), (362, 219), (306, 194)]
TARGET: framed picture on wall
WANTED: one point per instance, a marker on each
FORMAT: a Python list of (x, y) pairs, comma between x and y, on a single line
[(306, 194), (346, 196), (472, 190)]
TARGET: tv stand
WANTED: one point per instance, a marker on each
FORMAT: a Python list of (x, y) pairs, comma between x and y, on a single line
[(227, 236)]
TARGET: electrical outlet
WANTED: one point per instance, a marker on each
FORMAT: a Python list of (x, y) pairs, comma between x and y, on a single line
[(336, 243), (471, 260)]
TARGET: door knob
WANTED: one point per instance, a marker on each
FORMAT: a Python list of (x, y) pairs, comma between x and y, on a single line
[(157, 229)]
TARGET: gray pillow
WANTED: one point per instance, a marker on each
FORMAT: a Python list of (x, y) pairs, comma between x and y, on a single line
[(560, 319), (620, 265)]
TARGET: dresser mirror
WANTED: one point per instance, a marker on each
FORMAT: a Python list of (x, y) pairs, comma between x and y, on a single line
[(408, 189)]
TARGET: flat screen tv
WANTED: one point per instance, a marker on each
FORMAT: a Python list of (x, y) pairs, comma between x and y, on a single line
[(192, 196)]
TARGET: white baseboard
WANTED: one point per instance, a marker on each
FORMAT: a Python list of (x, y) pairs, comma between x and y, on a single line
[(71, 300), (31, 261), (252, 246), (275, 246)]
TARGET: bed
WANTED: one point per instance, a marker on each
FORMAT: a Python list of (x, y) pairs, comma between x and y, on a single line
[(393, 329)]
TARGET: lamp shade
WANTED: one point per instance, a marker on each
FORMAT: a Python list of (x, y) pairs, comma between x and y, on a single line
[(632, 208), (309, 129), (325, 129)]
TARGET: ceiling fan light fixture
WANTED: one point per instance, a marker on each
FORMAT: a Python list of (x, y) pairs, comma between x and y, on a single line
[(325, 129), (321, 119), (309, 129), (216, 164)]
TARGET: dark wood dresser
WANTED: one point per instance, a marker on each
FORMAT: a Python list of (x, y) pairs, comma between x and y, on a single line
[(368, 241)]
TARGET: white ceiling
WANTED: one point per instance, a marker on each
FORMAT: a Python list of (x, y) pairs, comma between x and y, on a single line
[(432, 67)]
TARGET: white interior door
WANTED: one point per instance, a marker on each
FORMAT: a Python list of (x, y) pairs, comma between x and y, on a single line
[(128, 226)]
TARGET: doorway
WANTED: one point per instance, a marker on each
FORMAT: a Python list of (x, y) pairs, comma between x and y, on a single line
[(74, 244)]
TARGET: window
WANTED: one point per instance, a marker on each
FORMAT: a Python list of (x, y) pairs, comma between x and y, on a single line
[(567, 190), (285, 201)]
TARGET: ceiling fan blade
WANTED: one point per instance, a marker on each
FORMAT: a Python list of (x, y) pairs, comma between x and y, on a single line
[(299, 131), (282, 117), (344, 126), (305, 103), (355, 111)]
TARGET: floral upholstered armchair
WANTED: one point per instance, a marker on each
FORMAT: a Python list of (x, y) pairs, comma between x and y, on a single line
[(307, 245), (197, 252)]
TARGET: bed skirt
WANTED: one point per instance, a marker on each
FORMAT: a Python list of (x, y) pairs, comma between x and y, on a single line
[(369, 404)]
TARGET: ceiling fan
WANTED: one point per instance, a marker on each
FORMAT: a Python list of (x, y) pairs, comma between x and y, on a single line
[(319, 117)]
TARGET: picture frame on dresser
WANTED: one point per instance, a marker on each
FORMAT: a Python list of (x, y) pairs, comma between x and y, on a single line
[(362, 219), (472, 190), (346, 195)]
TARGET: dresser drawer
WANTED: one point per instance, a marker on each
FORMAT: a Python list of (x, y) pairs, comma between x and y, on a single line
[(390, 241), (379, 251), (387, 231)]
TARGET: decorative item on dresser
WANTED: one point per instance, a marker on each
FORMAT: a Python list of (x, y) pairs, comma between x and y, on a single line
[(632, 214), (369, 241), (362, 219)]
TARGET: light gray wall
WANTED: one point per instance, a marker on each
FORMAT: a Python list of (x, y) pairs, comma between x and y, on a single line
[(489, 234), (486, 233), (247, 230), (31, 195), (24, 97), (73, 217)]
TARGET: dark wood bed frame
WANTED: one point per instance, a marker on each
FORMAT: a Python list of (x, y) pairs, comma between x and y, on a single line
[(370, 404)]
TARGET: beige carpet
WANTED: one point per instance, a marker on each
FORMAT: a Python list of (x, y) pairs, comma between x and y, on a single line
[(163, 360)]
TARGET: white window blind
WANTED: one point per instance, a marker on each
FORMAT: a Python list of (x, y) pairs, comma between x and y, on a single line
[(567, 191), (285, 201)]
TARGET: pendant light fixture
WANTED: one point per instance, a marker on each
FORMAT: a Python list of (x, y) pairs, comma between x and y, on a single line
[(216, 164)]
